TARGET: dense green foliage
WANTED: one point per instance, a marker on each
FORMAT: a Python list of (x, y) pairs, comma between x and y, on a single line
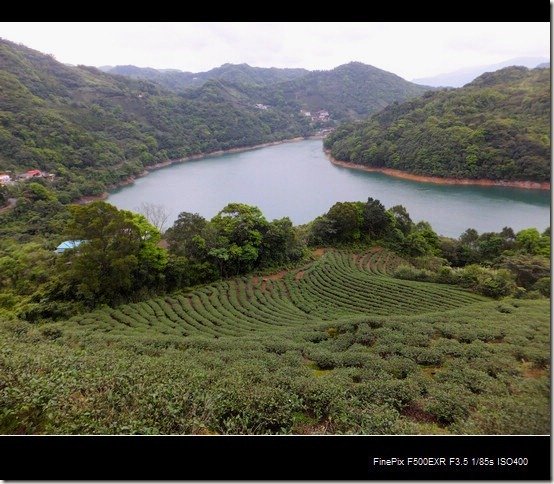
[(497, 127), (237, 240), (348, 92)]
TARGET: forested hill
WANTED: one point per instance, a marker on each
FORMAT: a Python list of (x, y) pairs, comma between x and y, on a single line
[(92, 129), (351, 91), (497, 127), (236, 73)]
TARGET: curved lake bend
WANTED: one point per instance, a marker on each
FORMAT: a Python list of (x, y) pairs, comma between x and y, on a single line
[(298, 181)]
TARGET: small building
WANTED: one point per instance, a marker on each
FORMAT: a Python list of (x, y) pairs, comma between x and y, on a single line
[(5, 179), (67, 245), (34, 174), (322, 115), (261, 106)]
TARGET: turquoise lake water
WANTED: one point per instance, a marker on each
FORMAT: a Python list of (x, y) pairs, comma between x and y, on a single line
[(298, 181)]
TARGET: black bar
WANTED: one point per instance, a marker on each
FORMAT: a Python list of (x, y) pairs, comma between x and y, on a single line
[(391, 11), (287, 457)]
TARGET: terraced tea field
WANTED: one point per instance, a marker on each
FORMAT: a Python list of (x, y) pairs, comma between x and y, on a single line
[(337, 346), (339, 284)]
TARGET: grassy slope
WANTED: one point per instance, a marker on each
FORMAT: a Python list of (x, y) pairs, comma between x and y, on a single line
[(335, 347), (497, 127)]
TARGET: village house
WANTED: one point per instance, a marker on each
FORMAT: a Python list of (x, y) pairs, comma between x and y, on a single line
[(5, 179), (35, 174), (323, 115), (261, 106)]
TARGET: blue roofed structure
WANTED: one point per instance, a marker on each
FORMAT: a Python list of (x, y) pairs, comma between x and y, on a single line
[(68, 244)]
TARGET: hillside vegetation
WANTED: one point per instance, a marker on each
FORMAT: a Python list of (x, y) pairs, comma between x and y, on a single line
[(497, 127), (336, 346), (359, 322), (92, 129), (350, 91)]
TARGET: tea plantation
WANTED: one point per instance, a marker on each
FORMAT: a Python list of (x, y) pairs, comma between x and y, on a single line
[(336, 346)]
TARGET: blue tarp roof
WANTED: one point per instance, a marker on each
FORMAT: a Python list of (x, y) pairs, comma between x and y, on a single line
[(69, 244)]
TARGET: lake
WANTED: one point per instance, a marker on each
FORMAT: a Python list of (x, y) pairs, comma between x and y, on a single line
[(297, 180)]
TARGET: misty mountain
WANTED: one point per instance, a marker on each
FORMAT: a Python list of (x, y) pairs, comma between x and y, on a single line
[(347, 92), (92, 129), (237, 73), (460, 77), (350, 91), (544, 65)]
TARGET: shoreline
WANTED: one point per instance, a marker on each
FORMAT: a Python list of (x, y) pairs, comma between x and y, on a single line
[(163, 164), (531, 185)]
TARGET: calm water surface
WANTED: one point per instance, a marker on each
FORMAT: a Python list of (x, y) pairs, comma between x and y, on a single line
[(298, 181)]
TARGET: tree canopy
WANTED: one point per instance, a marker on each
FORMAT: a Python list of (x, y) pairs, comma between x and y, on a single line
[(497, 127)]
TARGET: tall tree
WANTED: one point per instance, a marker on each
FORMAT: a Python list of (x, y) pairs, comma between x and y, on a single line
[(116, 244), (375, 220), (157, 215)]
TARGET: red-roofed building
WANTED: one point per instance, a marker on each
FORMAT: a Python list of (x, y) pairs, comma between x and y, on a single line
[(34, 173)]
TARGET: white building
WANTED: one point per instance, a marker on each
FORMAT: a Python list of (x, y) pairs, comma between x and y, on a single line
[(5, 179)]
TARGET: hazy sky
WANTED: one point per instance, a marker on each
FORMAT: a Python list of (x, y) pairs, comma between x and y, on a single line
[(407, 49)]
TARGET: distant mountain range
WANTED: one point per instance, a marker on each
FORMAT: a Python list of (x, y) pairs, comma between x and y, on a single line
[(461, 77), (350, 91), (236, 73)]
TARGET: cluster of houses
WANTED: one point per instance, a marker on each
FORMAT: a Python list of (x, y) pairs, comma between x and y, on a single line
[(321, 115), (6, 179), (261, 106)]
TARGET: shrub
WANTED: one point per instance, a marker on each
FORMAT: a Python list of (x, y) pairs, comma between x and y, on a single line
[(448, 404), (543, 286), (489, 282), (414, 274)]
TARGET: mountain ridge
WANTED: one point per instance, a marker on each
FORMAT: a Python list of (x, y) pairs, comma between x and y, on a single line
[(460, 77)]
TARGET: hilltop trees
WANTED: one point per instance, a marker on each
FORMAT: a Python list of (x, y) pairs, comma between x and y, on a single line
[(237, 240), (347, 222)]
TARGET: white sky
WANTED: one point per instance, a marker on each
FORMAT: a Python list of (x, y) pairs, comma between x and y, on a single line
[(410, 50)]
